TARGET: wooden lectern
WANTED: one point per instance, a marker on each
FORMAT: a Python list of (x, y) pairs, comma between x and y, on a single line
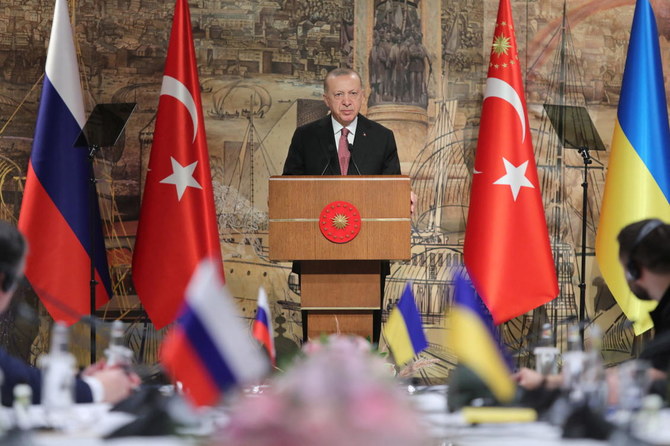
[(340, 280)]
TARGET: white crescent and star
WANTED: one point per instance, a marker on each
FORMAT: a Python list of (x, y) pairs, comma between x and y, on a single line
[(173, 87), (515, 176), (498, 88), (181, 176)]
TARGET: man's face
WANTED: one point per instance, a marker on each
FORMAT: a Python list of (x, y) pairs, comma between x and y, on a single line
[(6, 295), (634, 284), (5, 299), (639, 291), (344, 97)]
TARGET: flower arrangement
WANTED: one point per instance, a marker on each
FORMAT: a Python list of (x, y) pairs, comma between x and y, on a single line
[(337, 393)]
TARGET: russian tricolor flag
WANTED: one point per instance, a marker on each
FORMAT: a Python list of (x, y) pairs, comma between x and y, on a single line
[(209, 350), (262, 328), (55, 213)]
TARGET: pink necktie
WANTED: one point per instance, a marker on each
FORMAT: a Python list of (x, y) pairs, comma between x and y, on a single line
[(343, 151)]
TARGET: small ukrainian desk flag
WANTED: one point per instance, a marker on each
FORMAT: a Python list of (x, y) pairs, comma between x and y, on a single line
[(475, 342), (403, 330)]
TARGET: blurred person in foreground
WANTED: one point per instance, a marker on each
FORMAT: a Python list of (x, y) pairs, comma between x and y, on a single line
[(644, 252), (97, 383)]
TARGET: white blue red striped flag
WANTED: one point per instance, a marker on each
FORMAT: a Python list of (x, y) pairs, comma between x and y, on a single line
[(209, 350), (262, 328), (55, 214)]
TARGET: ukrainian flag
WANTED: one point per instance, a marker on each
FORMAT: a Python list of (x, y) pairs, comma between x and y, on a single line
[(474, 341), (637, 186), (403, 330)]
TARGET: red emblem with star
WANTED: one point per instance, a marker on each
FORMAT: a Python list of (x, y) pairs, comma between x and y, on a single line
[(340, 222)]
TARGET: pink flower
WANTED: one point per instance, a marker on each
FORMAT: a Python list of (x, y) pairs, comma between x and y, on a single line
[(338, 393)]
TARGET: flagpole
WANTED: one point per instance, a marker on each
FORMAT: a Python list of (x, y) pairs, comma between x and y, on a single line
[(92, 196), (586, 157)]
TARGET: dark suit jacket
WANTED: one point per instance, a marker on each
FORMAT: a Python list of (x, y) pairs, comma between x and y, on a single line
[(654, 351), (313, 151), (15, 372)]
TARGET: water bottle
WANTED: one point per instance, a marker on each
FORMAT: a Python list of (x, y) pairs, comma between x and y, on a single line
[(58, 372), (546, 353), (117, 353)]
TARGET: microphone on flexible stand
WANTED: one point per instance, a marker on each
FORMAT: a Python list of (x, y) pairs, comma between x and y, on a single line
[(118, 354), (29, 314), (351, 152), (330, 159)]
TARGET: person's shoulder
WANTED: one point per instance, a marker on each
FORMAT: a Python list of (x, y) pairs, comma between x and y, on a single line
[(370, 125), (316, 125)]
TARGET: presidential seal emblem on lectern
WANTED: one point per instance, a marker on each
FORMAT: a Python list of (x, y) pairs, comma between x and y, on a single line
[(340, 221)]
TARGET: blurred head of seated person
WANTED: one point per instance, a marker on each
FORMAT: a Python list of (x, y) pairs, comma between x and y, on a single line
[(98, 383), (12, 260), (644, 252)]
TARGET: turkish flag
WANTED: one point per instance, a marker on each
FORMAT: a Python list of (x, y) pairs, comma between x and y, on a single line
[(177, 225), (507, 251)]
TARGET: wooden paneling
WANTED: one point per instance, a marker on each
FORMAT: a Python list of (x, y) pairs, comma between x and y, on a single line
[(340, 284), (353, 322), (297, 201)]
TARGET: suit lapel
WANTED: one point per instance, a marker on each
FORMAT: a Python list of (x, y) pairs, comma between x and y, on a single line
[(362, 140), (327, 141), (361, 131)]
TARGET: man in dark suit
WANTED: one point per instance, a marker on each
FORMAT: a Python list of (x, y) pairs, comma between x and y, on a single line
[(98, 383), (344, 141), (315, 146)]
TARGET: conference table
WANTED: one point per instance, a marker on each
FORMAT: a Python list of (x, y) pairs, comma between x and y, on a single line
[(87, 424), (452, 429)]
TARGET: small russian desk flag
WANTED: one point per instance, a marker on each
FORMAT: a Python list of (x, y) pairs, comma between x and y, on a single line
[(209, 350), (262, 328)]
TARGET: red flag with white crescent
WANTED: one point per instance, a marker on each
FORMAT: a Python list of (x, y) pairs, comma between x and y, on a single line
[(177, 224), (507, 251)]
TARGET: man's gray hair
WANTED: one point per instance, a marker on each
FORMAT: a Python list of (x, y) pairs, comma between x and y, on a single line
[(340, 72)]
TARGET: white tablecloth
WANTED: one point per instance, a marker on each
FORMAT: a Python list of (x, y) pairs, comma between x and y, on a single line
[(90, 422)]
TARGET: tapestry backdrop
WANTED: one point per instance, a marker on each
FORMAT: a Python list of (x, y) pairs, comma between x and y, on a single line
[(261, 65)]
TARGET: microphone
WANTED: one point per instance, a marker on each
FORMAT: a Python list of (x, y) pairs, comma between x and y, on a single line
[(147, 372), (351, 152), (330, 153), (330, 158)]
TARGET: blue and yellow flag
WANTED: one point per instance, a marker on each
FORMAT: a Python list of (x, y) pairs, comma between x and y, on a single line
[(403, 330), (474, 341), (638, 177)]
